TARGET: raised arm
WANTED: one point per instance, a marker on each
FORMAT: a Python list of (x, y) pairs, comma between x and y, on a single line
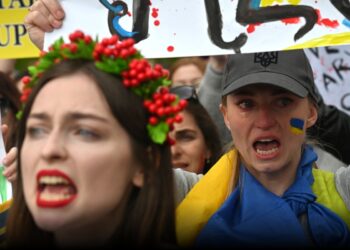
[(44, 16)]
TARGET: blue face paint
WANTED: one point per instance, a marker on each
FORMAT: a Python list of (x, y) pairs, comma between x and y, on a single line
[(297, 126)]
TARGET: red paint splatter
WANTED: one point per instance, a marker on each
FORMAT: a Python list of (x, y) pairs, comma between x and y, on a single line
[(155, 12), (329, 23), (292, 20), (129, 13), (251, 27), (326, 21), (318, 16), (170, 48), (156, 22)]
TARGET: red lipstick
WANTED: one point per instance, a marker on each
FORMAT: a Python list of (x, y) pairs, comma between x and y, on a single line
[(54, 189)]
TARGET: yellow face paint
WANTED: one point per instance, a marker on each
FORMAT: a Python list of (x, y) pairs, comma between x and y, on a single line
[(297, 126)]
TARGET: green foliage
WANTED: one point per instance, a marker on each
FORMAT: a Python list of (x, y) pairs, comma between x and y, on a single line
[(158, 132)]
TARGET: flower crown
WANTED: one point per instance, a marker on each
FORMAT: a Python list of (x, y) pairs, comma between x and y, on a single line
[(118, 58)]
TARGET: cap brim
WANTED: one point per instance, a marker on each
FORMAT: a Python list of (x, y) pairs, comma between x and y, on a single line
[(274, 79)]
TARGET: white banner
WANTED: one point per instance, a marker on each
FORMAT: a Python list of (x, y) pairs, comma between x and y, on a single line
[(169, 28), (331, 66)]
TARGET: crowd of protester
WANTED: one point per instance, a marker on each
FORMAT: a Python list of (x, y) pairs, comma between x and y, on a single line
[(230, 146)]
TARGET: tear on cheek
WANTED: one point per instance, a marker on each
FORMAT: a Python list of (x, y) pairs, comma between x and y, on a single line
[(297, 126)]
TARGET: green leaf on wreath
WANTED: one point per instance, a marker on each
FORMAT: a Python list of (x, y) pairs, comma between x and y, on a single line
[(158, 133)]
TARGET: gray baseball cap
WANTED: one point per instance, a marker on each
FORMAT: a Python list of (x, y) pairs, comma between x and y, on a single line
[(290, 70)]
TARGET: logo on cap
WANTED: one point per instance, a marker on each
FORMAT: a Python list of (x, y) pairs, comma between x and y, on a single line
[(266, 58)]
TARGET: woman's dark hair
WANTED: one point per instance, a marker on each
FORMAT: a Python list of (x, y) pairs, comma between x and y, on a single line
[(208, 129), (10, 99), (147, 214)]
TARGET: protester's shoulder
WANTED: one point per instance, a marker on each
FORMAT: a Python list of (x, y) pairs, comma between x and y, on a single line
[(184, 181), (342, 180), (186, 178), (343, 171), (327, 161)]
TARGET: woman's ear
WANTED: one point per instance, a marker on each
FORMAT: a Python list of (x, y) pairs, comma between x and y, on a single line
[(223, 110), (313, 115), (208, 154), (138, 179)]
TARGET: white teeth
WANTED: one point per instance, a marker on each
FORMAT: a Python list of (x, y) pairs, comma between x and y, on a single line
[(266, 152), (52, 180), (266, 140), (54, 196)]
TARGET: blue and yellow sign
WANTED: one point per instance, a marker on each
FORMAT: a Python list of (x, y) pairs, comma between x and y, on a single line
[(14, 39)]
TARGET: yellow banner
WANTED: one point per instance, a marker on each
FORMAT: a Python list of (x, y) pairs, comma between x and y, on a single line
[(14, 39)]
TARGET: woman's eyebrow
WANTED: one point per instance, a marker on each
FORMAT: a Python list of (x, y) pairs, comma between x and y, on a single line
[(69, 116)]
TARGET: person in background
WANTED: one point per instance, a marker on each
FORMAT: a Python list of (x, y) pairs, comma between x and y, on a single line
[(209, 94), (267, 190), (197, 143), (94, 169), (9, 106), (7, 67), (187, 71)]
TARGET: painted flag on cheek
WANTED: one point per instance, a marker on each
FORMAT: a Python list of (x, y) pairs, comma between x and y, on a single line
[(297, 126)]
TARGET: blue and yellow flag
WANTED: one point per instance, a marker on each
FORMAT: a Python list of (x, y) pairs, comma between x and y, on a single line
[(297, 126)]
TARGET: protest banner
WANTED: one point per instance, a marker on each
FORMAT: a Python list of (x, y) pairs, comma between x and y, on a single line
[(14, 40), (331, 67), (167, 28)]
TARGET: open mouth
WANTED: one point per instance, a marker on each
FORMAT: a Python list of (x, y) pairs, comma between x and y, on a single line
[(54, 189), (266, 148)]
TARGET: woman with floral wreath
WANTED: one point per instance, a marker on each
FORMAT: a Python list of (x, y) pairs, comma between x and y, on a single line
[(94, 161)]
